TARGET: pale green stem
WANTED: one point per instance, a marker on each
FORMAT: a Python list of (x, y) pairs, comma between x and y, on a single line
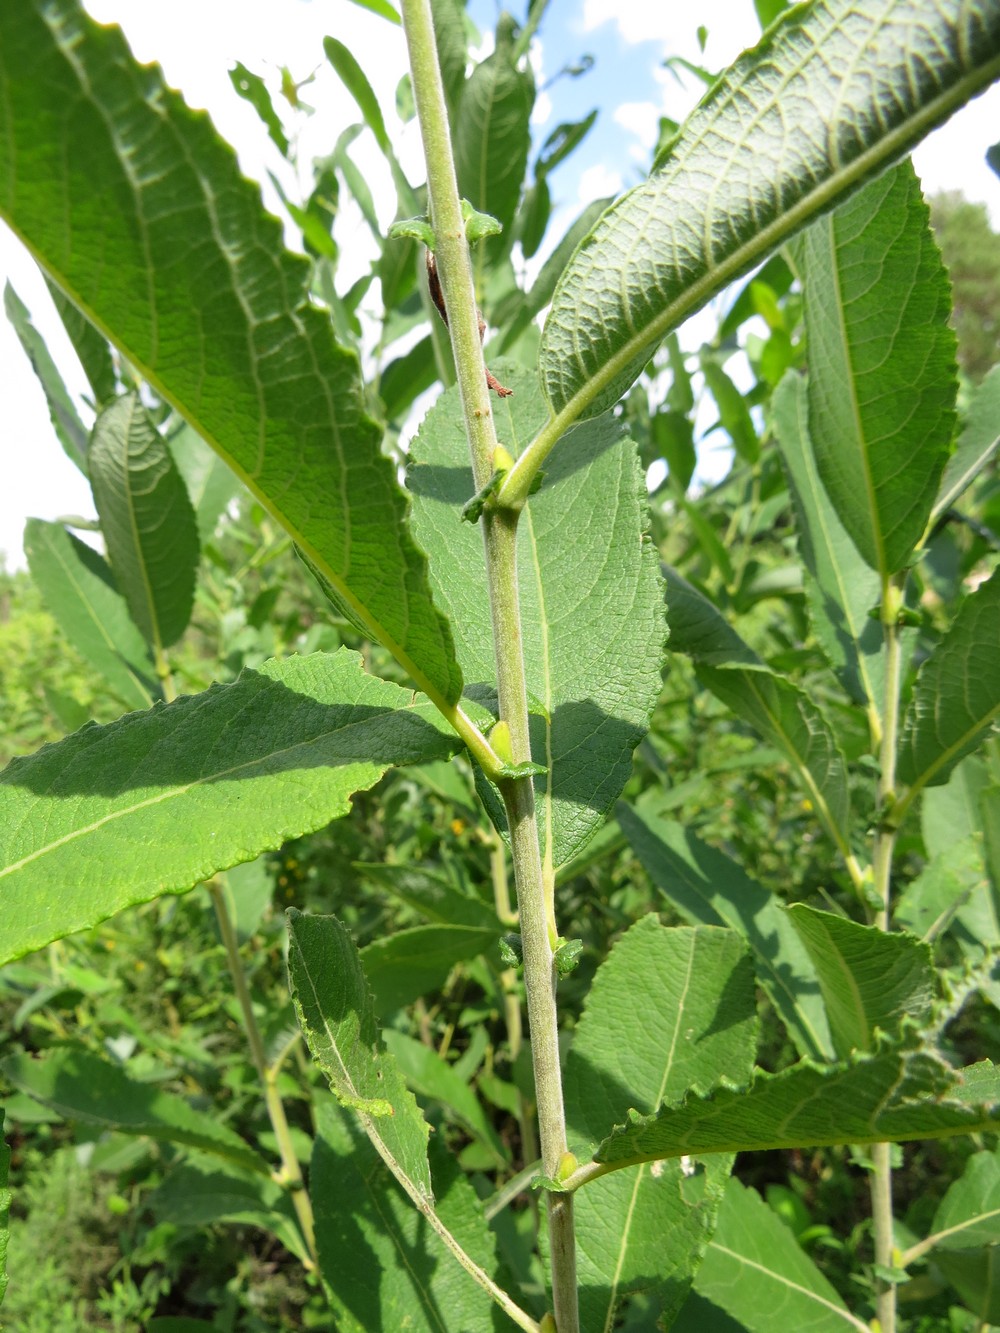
[(164, 674), (499, 532), (291, 1174), (882, 854)]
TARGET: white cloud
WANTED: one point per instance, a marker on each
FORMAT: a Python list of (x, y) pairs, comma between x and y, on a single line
[(641, 119), (598, 181)]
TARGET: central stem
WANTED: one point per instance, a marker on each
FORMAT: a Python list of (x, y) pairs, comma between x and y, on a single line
[(500, 542)]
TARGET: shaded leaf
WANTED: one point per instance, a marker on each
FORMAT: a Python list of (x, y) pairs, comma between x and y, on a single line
[(82, 1087), (70, 430), (871, 979), (699, 629), (206, 781), (211, 485), (969, 1213), (409, 963), (825, 101), (186, 274), (956, 699), (147, 520), (694, 1024), (90, 346), (591, 604), (882, 379), (79, 589)]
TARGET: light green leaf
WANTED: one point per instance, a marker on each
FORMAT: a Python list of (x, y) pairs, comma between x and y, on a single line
[(380, 7), (252, 88), (883, 379), (79, 590), (708, 888), (975, 1274), (976, 444), (147, 520), (693, 1024), (82, 1087), (755, 1270), (65, 419), (90, 346), (784, 714), (870, 979), (842, 587), (893, 1095), (430, 1076), (969, 1213), (950, 814), (591, 602), (355, 81), (337, 1015), (409, 963), (204, 783), (826, 100), (956, 699), (953, 877), (186, 274), (196, 1193), (364, 1225)]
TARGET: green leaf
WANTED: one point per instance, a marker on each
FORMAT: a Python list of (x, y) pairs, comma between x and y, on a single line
[(694, 1024), (186, 274), (708, 888), (382, 8), (563, 140), (210, 483), (252, 88), (90, 346), (950, 814), (976, 445), (65, 419), (969, 1213), (492, 139), (734, 414), (197, 1193), (700, 630), (945, 889), (755, 1270), (147, 520), (956, 699), (826, 100), (405, 378), (975, 1274), (452, 49), (883, 379), (365, 1227), (204, 783), (409, 963), (786, 716), (871, 979), (841, 588), (430, 1076), (433, 895), (355, 81), (79, 590), (893, 1095), (591, 602), (82, 1087)]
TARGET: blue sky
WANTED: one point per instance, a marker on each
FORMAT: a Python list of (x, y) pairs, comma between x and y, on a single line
[(197, 41)]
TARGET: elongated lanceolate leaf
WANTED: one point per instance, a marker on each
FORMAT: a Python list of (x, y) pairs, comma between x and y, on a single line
[(138, 212), (708, 888), (833, 93), (79, 589), (364, 1225), (694, 1024), (975, 446), (147, 519), (90, 346), (591, 602), (62, 411), (882, 373), (337, 1016), (82, 1087), (210, 483), (841, 588), (409, 963), (757, 1272), (895, 1094), (957, 696), (871, 980), (157, 801), (698, 629)]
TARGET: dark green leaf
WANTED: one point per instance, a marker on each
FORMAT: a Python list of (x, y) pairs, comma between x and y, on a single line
[(356, 83), (186, 274), (708, 888), (90, 346), (68, 427), (82, 1087), (252, 88), (409, 963), (210, 483), (969, 1214), (882, 375), (157, 801), (563, 140), (147, 519)]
